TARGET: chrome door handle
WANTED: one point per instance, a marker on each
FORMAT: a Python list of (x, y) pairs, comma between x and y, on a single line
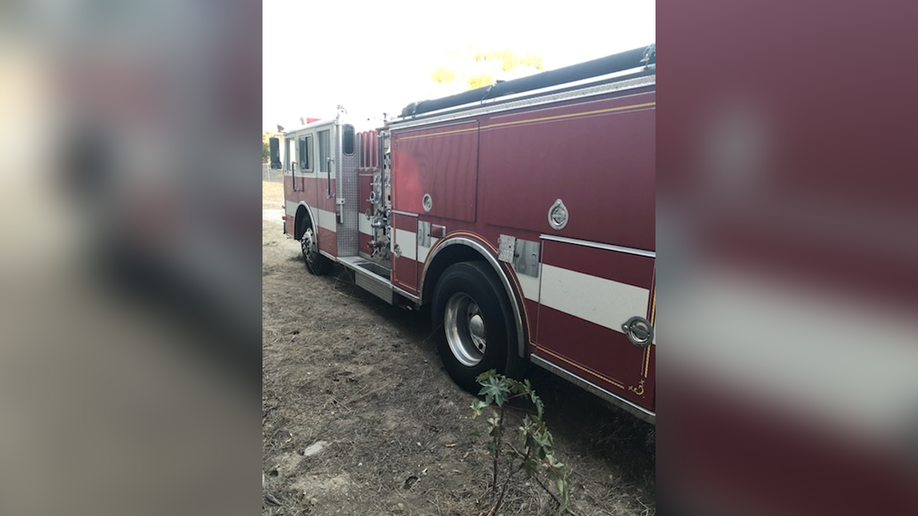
[(639, 331), (328, 167)]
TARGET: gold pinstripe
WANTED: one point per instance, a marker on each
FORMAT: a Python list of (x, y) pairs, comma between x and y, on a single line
[(438, 134), (647, 362), (530, 120), (653, 310), (582, 368), (571, 115)]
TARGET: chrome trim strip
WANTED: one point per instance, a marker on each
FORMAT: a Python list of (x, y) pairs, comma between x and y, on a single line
[(312, 217), (376, 285), (397, 212), (470, 111), (597, 245), (325, 254), (585, 102), (354, 264), (445, 124), (339, 169), (398, 290), (379, 283), (318, 124), (626, 405), (491, 259), (347, 261)]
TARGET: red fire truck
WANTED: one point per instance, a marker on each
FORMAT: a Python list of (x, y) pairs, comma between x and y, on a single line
[(522, 213)]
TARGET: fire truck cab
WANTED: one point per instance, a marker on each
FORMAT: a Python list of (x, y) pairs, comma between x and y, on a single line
[(522, 213)]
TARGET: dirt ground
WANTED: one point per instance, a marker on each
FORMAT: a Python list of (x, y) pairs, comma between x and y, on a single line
[(359, 417)]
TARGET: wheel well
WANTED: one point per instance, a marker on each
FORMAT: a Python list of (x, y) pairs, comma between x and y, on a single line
[(301, 222), (445, 258), (452, 254)]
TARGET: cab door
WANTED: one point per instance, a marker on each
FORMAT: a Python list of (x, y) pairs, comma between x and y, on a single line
[(325, 173)]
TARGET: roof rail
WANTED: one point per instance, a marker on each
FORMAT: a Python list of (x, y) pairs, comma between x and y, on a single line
[(643, 56)]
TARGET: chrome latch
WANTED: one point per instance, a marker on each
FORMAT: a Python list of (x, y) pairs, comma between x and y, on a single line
[(423, 234), (639, 331), (558, 215), (427, 202)]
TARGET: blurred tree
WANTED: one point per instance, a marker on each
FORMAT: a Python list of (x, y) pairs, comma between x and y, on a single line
[(477, 68), (443, 75)]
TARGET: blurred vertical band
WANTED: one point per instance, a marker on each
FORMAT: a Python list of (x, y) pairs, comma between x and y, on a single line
[(130, 271), (788, 258)]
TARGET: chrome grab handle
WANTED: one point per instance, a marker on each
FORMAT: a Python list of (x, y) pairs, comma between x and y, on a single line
[(328, 168)]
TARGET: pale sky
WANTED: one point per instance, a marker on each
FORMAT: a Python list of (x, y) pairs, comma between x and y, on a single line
[(377, 56)]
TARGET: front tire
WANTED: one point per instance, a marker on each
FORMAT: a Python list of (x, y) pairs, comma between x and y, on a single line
[(309, 245), (474, 324)]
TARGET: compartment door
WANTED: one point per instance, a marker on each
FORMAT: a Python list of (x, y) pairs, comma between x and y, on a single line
[(435, 171), (588, 291), (405, 251)]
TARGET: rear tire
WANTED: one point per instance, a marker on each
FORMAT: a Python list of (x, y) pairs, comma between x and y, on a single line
[(309, 245), (474, 325)]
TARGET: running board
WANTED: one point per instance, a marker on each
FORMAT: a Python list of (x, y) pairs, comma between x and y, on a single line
[(622, 403), (367, 275)]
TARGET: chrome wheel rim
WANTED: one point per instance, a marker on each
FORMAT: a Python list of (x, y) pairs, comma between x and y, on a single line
[(466, 331), (309, 246)]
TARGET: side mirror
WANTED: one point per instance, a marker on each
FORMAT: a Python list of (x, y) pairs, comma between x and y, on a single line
[(274, 143)]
